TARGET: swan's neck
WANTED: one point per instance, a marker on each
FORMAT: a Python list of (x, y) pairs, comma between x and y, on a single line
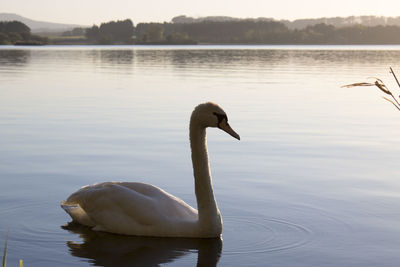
[(209, 215)]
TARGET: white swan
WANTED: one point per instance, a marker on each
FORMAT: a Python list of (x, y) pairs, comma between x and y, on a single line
[(146, 210)]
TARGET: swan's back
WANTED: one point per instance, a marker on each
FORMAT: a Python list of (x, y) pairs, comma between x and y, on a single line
[(128, 208)]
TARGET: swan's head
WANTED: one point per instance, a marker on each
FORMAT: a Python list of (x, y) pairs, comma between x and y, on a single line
[(211, 115)]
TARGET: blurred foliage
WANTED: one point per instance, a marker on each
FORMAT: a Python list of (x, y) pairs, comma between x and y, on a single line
[(15, 32), (211, 32), (265, 32), (112, 32)]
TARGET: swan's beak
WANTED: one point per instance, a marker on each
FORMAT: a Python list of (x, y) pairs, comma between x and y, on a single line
[(227, 128)]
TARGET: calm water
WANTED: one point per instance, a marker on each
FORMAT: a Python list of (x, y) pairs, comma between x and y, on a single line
[(315, 180)]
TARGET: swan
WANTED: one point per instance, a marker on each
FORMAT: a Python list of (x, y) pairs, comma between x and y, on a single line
[(140, 209)]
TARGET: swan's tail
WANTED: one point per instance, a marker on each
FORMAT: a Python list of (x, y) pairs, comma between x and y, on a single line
[(77, 213)]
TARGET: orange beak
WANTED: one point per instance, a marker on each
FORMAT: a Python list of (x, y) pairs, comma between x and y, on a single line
[(227, 128)]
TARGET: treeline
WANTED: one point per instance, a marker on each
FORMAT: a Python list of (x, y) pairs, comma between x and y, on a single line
[(15, 32), (267, 32), (368, 21), (121, 31), (358, 34), (246, 31), (207, 32), (238, 32), (124, 32)]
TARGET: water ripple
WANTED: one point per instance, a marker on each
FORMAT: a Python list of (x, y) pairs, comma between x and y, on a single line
[(243, 235)]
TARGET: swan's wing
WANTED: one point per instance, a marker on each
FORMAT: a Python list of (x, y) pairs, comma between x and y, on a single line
[(128, 208), (110, 205), (172, 206)]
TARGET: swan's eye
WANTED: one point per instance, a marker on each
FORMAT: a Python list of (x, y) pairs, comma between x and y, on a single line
[(221, 117)]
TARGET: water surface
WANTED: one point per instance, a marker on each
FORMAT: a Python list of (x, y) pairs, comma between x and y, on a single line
[(313, 182)]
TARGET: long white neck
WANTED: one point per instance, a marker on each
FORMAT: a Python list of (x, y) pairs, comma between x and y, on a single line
[(209, 215)]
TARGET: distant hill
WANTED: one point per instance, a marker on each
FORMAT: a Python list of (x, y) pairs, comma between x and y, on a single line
[(339, 22), (302, 23), (38, 26), (184, 19)]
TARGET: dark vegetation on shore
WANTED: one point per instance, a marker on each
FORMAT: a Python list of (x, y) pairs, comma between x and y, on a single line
[(205, 32), (17, 33)]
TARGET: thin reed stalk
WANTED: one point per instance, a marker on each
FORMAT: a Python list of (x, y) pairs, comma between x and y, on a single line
[(392, 72), (5, 250), (381, 86)]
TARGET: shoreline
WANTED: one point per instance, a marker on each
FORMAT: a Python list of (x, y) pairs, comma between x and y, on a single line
[(189, 44)]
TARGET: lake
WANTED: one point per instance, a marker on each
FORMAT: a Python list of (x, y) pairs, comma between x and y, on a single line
[(314, 180)]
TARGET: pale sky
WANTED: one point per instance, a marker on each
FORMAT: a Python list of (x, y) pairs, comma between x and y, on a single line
[(88, 12)]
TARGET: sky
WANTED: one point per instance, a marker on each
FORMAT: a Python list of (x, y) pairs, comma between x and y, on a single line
[(89, 12)]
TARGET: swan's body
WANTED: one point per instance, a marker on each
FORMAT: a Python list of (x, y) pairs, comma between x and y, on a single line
[(146, 210)]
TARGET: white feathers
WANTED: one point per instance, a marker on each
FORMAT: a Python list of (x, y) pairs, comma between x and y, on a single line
[(146, 210)]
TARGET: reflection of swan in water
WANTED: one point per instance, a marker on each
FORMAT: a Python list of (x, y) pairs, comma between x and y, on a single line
[(103, 249), (146, 210)]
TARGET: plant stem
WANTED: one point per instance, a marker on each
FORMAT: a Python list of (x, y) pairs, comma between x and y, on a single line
[(395, 100), (391, 71), (5, 250), (387, 99)]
